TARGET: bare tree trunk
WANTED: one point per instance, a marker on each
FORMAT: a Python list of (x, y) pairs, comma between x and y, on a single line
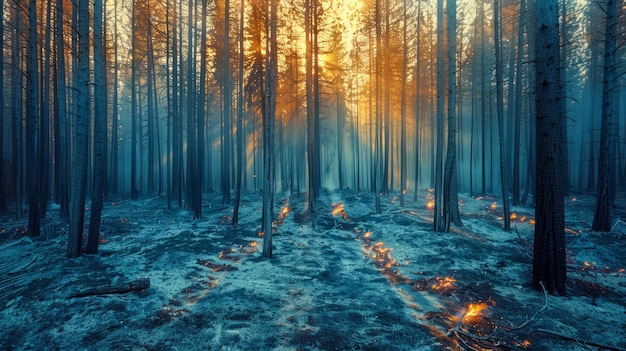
[(450, 197), (79, 151), (45, 163), (3, 180), (438, 223), (114, 162), (197, 197), (418, 68), (549, 269), (602, 216), (518, 104), (500, 113), (134, 117), (32, 117), (240, 136), (100, 127), (403, 98), (268, 123), (227, 108), (17, 120)]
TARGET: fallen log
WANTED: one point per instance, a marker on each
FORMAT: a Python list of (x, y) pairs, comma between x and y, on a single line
[(112, 289)]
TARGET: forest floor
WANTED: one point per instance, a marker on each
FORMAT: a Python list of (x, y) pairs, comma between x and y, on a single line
[(348, 279)]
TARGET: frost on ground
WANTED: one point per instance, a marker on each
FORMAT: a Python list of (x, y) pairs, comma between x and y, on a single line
[(346, 279)]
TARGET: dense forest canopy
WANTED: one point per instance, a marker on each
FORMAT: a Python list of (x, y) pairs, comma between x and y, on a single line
[(185, 98)]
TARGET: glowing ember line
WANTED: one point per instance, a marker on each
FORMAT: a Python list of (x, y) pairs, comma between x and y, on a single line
[(443, 283)]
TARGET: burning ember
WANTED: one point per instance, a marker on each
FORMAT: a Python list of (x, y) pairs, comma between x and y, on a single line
[(493, 206), (446, 283), (430, 204), (474, 310), (284, 212), (338, 210), (281, 216), (382, 255)]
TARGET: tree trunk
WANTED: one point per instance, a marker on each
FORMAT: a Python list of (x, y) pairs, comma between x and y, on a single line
[(100, 127), (438, 223), (602, 216), (549, 269), (268, 124), (114, 162), (227, 106), (32, 110), (403, 98), (17, 120), (450, 197), (3, 180), (240, 136), (80, 147), (133, 91), (500, 113), (518, 105)]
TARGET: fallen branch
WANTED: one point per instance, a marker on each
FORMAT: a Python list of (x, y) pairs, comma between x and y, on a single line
[(136, 285), (17, 270), (545, 305), (580, 341)]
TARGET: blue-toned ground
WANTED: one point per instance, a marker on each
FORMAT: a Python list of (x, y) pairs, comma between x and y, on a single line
[(346, 279)]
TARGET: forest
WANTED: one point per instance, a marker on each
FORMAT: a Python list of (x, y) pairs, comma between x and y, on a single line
[(312, 174)]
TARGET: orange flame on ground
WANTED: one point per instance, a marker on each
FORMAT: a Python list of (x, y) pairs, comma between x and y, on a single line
[(513, 216), (532, 221), (338, 210), (430, 204), (493, 206), (474, 310)]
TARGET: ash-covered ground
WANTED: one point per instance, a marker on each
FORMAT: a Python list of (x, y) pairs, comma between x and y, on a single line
[(346, 279)]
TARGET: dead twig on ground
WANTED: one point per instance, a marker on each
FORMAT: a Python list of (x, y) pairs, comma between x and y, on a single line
[(17, 270), (543, 308)]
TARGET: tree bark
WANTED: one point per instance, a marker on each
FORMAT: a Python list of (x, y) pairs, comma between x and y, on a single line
[(500, 113), (80, 147), (32, 110), (549, 267), (100, 128), (268, 127), (602, 216)]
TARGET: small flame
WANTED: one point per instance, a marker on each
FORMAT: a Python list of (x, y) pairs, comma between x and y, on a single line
[(532, 221), (523, 218), (474, 310), (493, 206), (513, 216), (430, 204), (367, 234), (338, 210), (526, 343), (621, 270)]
